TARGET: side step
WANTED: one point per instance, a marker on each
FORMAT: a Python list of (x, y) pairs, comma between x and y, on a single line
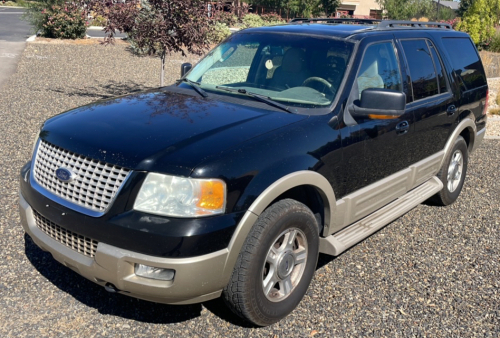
[(339, 242)]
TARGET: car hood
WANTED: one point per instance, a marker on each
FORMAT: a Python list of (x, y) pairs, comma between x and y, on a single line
[(160, 130)]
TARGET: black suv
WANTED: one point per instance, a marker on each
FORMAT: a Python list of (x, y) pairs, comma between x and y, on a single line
[(283, 142)]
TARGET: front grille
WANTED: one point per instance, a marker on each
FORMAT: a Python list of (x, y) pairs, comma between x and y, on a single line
[(79, 243), (94, 186)]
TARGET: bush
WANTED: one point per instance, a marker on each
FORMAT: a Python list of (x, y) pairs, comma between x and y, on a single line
[(63, 22), (479, 22), (57, 18), (218, 32), (227, 18), (99, 20), (494, 44), (272, 19), (252, 20)]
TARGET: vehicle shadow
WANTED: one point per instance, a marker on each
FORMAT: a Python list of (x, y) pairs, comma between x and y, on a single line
[(103, 91), (96, 297)]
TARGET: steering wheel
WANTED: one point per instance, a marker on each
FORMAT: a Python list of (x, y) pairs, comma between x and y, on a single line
[(326, 84)]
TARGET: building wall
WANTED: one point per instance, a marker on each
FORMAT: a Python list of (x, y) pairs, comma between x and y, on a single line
[(359, 8)]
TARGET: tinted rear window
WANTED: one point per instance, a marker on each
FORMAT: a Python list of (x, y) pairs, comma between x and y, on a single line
[(465, 61)]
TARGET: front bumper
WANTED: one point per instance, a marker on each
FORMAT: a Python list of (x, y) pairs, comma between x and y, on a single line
[(197, 279)]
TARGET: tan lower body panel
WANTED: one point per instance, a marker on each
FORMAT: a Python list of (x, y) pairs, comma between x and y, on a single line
[(363, 202), (344, 239), (197, 279)]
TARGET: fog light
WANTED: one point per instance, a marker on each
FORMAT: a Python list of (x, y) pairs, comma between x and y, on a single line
[(154, 272)]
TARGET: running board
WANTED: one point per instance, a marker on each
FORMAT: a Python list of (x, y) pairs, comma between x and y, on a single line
[(339, 242)]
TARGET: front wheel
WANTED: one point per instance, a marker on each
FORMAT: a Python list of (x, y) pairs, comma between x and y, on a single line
[(275, 265), (452, 174)]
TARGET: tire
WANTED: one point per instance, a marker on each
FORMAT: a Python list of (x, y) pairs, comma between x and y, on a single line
[(452, 174), (271, 277)]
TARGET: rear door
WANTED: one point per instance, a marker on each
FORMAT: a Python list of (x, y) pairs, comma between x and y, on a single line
[(429, 98)]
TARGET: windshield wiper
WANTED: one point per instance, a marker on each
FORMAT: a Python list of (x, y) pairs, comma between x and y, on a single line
[(258, 97), (194, 85)]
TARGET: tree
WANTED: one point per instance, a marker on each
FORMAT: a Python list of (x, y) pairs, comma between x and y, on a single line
[(464, 6), (480, 19), (329, 6), (158, 27), (406, 9)]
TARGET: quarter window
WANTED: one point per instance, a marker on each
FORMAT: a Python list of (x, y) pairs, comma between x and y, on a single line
[(465, 62), (422, 72)]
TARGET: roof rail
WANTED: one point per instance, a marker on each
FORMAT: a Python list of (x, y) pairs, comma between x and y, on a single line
[(337, 20), (412, 24)]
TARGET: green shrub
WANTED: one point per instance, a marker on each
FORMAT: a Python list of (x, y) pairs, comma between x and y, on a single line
[(479, 22), (99, 20), (494, 45), (252, 20), (272, 19), (227, 18), (63, 22), (57, 18), (218, 32)]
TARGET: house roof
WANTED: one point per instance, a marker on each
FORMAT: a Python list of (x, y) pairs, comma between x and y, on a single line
[(450, 4)]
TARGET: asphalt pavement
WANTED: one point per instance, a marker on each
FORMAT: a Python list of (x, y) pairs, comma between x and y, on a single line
[(13, 34)]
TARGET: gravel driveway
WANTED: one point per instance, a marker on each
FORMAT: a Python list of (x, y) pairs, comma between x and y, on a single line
[(434, 272)]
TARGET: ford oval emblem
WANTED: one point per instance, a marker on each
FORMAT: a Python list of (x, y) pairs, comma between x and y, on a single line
[(65, 175)]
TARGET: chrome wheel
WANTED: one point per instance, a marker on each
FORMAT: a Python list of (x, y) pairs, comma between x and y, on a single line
[(455, 170), (284, 265)]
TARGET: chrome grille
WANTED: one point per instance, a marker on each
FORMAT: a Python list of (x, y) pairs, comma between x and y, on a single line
[(79, 243), (94, 186)]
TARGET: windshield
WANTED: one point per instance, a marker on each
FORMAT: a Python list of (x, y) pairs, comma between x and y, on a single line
[(295, 70)]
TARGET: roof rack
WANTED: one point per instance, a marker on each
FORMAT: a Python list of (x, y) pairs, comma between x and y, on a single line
[(337, 20), (412, 24), (381, 24)]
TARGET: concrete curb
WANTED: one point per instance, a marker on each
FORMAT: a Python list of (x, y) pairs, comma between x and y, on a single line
[(31, 38)]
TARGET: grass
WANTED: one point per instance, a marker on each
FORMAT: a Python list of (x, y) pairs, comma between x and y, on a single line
[(494, 111), (18, 3)]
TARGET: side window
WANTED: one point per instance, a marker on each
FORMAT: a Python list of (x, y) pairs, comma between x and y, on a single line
[(379, 68), (422, 72), (465, 61), (439, 69)]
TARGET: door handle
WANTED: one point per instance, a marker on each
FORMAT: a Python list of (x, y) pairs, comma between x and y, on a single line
[(402, 127), (451, 109)]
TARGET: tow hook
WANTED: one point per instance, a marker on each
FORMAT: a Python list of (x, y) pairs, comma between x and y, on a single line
[(111, 288)]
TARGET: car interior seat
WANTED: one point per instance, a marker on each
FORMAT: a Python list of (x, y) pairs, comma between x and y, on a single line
[(293, 70)]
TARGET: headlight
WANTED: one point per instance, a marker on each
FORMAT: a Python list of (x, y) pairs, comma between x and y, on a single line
[(181, 197)]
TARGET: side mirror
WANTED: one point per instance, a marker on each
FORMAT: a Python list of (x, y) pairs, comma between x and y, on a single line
[(377, 103), (185, 67)]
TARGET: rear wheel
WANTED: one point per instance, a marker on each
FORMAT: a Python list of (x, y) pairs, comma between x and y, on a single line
[(275, 265), (452, 174)]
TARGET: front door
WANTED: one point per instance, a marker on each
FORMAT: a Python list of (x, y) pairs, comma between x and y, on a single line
[(385, 141)]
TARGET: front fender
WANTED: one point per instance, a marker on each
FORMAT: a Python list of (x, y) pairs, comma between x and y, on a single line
[(285, 183)]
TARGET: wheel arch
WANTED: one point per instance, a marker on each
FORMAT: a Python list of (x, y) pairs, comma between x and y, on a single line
[(309, 180), (467, 129)]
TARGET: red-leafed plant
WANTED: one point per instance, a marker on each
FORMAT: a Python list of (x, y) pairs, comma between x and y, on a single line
[(158, 27)]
